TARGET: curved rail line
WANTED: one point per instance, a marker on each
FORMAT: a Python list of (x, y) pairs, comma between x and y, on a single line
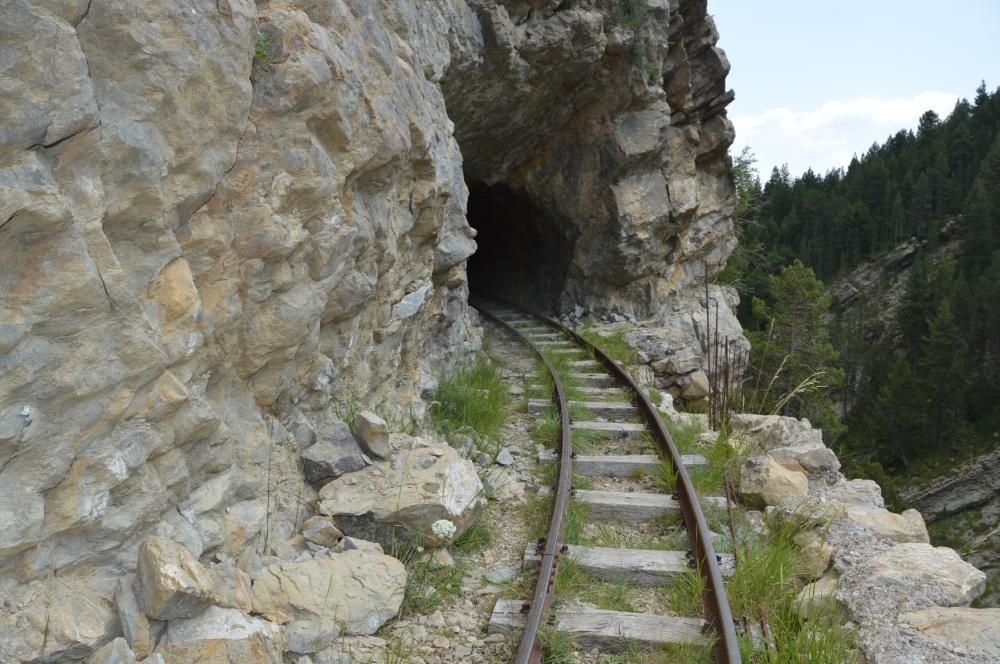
[(717, 611)]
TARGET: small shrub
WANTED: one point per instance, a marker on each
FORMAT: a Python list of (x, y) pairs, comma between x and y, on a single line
[(263, 49), (631, 13)]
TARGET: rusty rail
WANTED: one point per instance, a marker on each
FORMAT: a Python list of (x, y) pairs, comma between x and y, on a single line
[(529, 650), (714, 598)]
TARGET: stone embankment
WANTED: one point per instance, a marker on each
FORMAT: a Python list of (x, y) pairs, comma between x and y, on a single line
[(292, 596), (907, 600)]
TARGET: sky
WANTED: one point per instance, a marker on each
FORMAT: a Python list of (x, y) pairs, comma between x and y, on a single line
[(817, 81)]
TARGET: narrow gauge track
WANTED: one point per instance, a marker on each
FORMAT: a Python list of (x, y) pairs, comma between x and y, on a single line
[(593, 627)]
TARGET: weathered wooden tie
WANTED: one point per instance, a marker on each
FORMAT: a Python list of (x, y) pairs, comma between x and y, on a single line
[(583, 365), (618, 465), (593, 379), (639, 567), (589, 391), (549, 341), (598, 408), (638, 506), (620, 429), (605, 630)]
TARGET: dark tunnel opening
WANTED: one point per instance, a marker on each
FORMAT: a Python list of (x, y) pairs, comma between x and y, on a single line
[(524, 252)]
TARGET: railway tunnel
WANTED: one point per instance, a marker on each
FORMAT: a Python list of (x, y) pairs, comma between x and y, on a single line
[(524, 251)]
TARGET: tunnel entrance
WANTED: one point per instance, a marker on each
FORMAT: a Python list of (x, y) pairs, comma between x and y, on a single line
[(524, 252)]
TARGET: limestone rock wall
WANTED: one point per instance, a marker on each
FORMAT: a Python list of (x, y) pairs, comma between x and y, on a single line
[(222, 220), (212, 210), (209, 210)]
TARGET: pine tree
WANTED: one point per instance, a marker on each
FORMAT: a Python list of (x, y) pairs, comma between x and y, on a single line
[(922, 206), (796, 346), (898, 421), (942, 362), (976, 231), (915, 308)]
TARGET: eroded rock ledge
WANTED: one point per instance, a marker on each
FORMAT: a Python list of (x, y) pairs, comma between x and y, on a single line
[(907, 599)]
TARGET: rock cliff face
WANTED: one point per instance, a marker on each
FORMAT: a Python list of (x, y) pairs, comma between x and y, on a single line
[(210, 210), (966, 485), (596, 136), (220, 220)]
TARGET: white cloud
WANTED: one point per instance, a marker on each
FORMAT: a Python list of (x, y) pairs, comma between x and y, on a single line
[(828, 136)]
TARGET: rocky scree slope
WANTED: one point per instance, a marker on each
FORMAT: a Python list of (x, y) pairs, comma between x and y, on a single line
[(221, 219)]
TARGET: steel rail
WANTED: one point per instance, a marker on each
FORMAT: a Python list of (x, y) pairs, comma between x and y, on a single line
[(529, 650), (714, 598)]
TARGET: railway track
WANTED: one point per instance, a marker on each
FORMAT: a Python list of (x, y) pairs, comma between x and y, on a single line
[(610, 404)]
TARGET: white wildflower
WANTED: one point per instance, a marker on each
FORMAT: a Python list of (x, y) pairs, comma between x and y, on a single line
[(443, 529)]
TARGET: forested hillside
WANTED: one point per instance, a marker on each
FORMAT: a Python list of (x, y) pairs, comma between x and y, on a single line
[(932, 384)]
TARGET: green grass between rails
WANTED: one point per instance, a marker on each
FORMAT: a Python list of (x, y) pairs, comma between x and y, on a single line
[(573, 583)]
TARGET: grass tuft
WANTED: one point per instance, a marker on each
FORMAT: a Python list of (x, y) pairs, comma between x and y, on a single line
[(557, 648), (429, 585), (476, 397), (684, 593), (545, 430), (574, 583), (614, 345), (476, 538), (684, 434)]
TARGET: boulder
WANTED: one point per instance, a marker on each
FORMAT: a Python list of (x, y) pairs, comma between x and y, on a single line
[(974, 631), (373, 434), (222, 636), (812, 457), (232, 586), (399, 501), (906, 527), (502, 485), (357, 590), (814, 553), (439, 557), (63, 618), (171, 582), (816, 595), (116, 652), (854, 492), (950, 580), (772, 431), (505, 458), (309, 636), (766, 482), (695, 386), (321, 530), (135, 626), (334, 453)]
